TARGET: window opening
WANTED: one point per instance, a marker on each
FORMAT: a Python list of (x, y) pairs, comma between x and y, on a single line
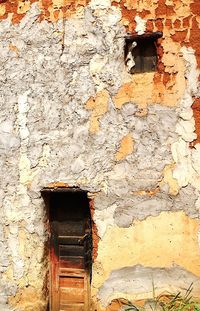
[(141, 52)]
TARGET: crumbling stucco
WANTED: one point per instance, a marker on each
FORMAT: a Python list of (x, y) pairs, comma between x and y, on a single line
[(52, 10), (77, 117), (128, 280), (178, 235)]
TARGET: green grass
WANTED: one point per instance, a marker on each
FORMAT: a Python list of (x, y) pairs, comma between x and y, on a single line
[(169, 302)]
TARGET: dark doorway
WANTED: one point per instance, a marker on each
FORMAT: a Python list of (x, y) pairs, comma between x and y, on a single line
[(70, 248)]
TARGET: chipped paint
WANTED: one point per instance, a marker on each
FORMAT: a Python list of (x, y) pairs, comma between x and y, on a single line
[(23, 7), (99, 106), (169, 180), (126, 147), (77, 118), (178, 237), (26, 298), (186, 171), (51, 10), (154, 92), (100, 4), (2, 9), (131, 283), (140, 25)]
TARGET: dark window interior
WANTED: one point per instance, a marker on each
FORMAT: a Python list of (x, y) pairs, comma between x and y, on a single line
[(144, 53), (145, 56)]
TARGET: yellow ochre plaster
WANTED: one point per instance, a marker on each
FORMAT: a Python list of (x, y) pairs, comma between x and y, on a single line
[(170, 180), (133, 91), (2, 9), (98, 106), (162, 241), (23, 7), (126, 147)]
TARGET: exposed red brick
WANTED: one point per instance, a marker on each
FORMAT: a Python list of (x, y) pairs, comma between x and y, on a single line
[(114, 3), (186, 22), (144, 13), (196, 113), (130, 14), (127, 14), (58, 184), (46, 4), (159, 24), (170, 10), (195, 24), (195, 7), (194, 39), (160, 67), (157, 78), (149, 26), (177, 23), (158, 85), (179, 36), (95, 237), (17, 18), (12, 7), (166, 78), (132, 26), (168, 23), (56, 14), (160, 51), (164, 9)]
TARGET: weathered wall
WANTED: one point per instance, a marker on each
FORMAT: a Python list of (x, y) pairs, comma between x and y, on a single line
[(71, 113)]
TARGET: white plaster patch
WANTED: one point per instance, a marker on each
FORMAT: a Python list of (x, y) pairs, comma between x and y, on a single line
[(78, 166), (141, 25), (186, 128), (100, 4), (192, 73), (13, 244), (187, 159), (24, 168), (196, 159), (22, 120), (114, 16), (130, 62), (104, 218), (96, 65), (133, 282), (44, 160)]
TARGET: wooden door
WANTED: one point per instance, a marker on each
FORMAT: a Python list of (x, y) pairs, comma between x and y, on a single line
[(71, 246)]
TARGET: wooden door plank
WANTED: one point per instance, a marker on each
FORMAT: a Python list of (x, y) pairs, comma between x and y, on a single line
[(72, 307), (71, 295), (71, 240), (72, 262), (71, 250), (72, 282)]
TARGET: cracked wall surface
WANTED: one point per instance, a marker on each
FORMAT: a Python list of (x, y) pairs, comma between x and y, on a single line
[(72, 114)]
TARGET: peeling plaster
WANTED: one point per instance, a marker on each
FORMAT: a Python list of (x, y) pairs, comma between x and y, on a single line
[(77, 117), (104, 218), (178, 235), (140, 25), (186, 159), (100, 4), (126, 147), (127, 282)]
